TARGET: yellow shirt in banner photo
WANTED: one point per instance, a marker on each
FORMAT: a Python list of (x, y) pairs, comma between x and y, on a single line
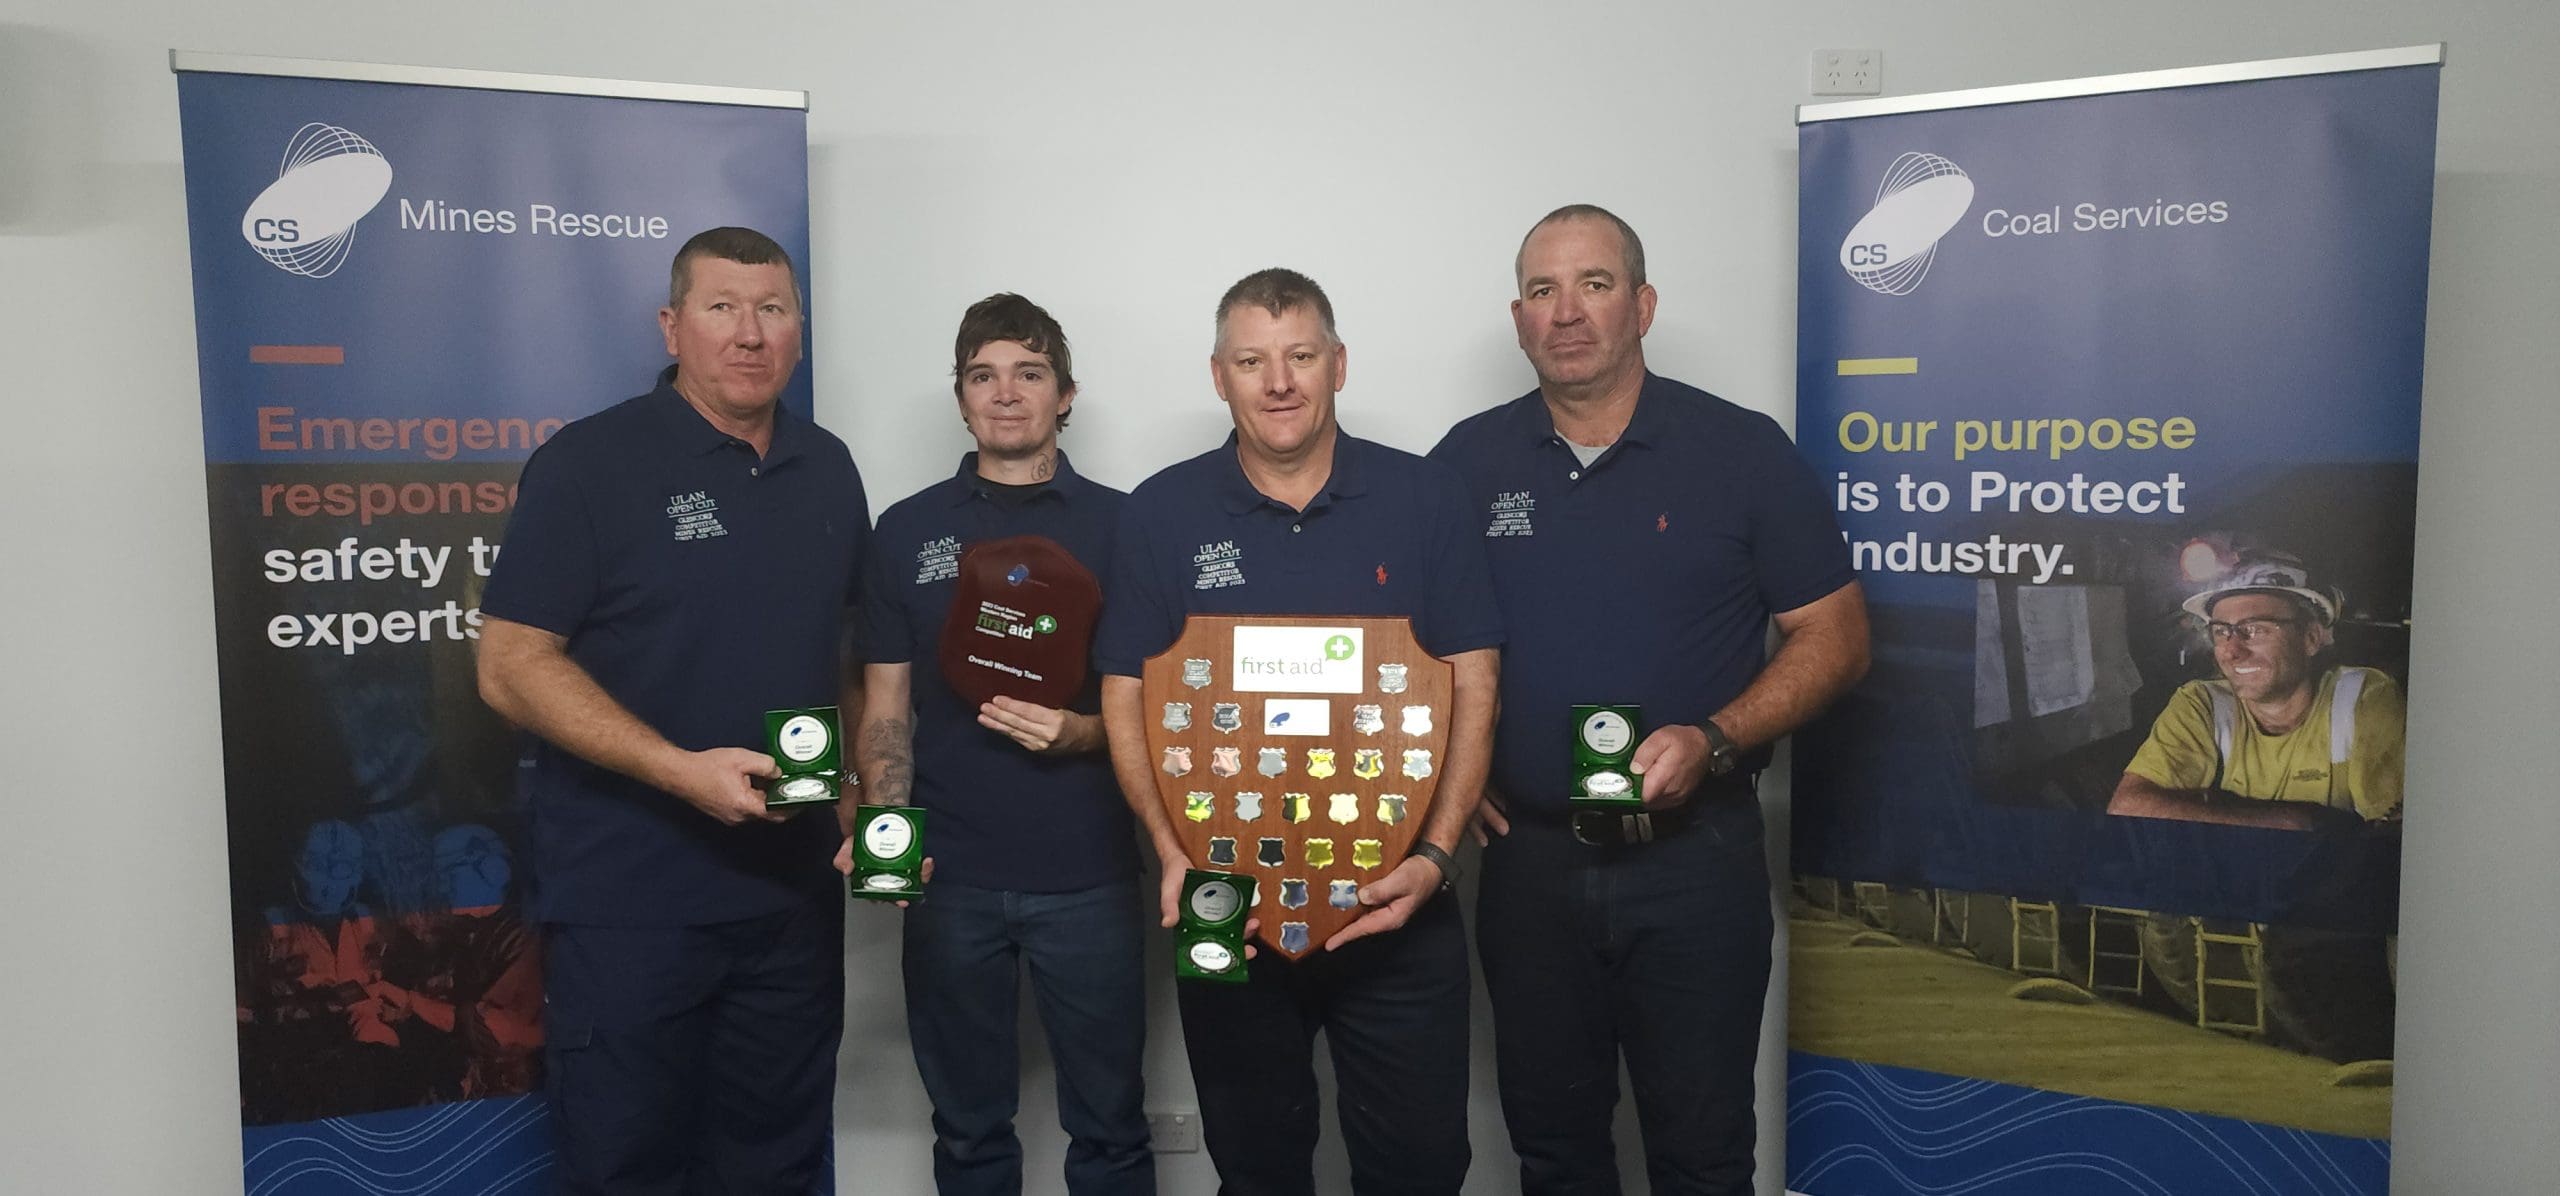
[(2206, 739)]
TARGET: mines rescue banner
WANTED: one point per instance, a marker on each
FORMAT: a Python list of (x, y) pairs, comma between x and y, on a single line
[(406, 279), (2097, 873)]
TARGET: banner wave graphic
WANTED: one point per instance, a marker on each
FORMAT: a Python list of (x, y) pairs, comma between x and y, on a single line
[(1860, 1127), (499, 1147)]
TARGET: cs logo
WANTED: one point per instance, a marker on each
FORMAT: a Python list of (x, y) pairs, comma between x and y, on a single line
[(305, 221), (1921, 197)]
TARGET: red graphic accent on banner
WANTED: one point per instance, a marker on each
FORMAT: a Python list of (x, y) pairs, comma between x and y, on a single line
[(298, 354)]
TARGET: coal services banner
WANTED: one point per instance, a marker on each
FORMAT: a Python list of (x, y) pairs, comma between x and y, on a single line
[(2097, 873), (404, 281)]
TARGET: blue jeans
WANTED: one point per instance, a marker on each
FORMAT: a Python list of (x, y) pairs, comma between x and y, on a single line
[(965, 951), (1393, 1009), (1659, 951), (685, 1060)]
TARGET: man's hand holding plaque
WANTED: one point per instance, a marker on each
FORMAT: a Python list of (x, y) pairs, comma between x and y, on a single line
[(722, 782), (1047, 730)]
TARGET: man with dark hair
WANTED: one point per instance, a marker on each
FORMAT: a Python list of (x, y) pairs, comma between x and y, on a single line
[(2279, 740), (1034, 866), (1294, 516), (677, 565), (743, 246), (1664, 530)]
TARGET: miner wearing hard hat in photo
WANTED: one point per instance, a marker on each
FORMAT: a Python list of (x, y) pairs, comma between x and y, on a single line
[(2282, 738)]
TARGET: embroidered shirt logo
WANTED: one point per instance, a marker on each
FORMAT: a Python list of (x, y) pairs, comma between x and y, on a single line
[(1662, 522), (1382, 573), (938, 560), (696, 516), (1221, 565), (1510, 514)]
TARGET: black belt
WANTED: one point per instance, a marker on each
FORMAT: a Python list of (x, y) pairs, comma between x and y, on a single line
[(1600, 828)]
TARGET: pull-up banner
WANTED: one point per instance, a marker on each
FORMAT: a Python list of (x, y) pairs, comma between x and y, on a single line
[(2097, 873), (405, 279)]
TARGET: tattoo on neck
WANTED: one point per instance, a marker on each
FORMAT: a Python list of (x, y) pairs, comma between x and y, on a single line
[(893, 753), (1044, 467)]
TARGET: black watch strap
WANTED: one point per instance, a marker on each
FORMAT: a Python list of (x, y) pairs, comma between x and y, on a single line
[(1722, 756), (1442, 860)]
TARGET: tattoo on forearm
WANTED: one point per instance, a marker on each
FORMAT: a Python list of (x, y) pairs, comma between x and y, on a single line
[(891, 745)]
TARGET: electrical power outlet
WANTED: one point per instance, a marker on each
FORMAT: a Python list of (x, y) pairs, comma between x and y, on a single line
[(1848, 72), (1173, 1132)]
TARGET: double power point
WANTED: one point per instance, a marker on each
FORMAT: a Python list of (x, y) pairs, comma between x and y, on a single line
[(1848, 72)]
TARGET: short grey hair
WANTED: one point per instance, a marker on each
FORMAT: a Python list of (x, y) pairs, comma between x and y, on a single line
[(1632, 244), (1278, 290)]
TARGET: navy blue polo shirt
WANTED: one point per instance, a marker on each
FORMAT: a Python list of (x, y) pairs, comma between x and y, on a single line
[(1647, 577), (1003, 817), (1390, 534), (700, 587)]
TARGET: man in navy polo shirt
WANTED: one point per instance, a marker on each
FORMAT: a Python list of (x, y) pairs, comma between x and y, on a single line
[(1293, 516), (1643, 535), (1034, 864), (677, 565)]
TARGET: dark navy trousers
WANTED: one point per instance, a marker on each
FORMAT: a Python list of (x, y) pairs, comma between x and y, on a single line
[(1393, 1008), (1657, 952), (694, 1060)]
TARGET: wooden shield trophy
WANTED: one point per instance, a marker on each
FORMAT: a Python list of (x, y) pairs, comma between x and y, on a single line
[(1303, 751), (1021, 622)]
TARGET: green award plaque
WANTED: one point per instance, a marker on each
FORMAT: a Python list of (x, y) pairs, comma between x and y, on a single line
[(1604, 751), (888, 854), (1209, 944), (803, 744)]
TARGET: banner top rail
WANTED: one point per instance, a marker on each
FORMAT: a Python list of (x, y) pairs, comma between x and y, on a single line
[(2231, 72), (182, 61)]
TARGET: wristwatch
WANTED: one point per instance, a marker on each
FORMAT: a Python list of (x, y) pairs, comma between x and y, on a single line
[(1442, 860), (1722, 756)]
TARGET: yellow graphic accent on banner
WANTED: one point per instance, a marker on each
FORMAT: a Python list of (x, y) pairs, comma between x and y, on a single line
[(1860, 367)]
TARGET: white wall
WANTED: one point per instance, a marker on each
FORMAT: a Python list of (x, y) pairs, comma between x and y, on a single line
[(1122, 164)]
